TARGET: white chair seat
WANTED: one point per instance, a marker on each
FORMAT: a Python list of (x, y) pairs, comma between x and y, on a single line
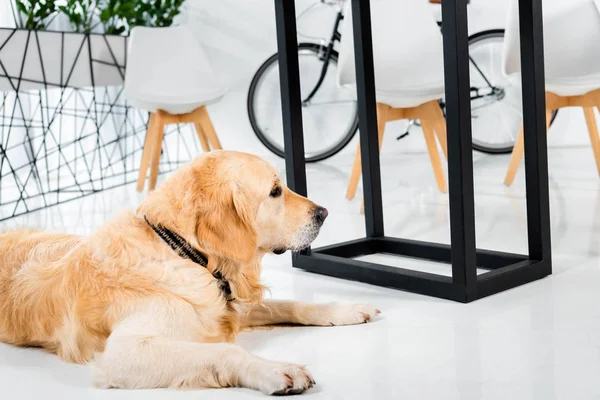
[(412, 98), (180, 103), (168, 70), (573, 86), (566, 86), (407, 97)]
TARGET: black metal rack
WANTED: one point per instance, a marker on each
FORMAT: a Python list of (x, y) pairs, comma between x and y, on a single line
[(66, 129), (505, 270)]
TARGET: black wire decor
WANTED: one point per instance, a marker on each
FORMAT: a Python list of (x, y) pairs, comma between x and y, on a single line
[(66, 130)]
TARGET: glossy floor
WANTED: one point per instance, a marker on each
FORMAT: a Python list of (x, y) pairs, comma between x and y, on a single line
[(539, 341)]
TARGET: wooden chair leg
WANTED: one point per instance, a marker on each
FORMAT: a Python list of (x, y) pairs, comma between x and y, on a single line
[(202, 137), (146, 153), (354, 175), (159, 127), (434, 155), (209, 129), (517, 153), (515, 159), (590, 120), (357, 167), (439, 127)]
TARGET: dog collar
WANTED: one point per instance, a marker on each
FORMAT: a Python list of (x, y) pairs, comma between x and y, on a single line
[(188, 252)]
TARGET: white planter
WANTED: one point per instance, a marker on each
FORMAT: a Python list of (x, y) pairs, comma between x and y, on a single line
[(34, 60)]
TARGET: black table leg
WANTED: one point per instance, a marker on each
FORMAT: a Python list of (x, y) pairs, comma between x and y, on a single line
[(534, 124), (367, 118), (505, 270), (460, 153), (291, 101)]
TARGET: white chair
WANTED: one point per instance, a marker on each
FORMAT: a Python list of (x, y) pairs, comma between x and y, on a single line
[(409, 73), (572, 64), (169, 75)]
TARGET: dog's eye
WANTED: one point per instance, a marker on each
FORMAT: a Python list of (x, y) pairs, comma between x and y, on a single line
[(276, 192)]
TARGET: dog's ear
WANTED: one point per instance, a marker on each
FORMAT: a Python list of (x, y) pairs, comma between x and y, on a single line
[(225, 224)]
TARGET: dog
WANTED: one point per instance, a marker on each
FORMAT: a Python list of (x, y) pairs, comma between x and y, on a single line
[(156, 298)]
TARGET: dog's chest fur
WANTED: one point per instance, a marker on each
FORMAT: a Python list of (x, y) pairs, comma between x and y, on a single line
[(195, 286), (190, 289)]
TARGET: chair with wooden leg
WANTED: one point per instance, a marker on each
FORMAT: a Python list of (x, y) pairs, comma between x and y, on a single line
[(169, 76), (572, 63), (409, 74)]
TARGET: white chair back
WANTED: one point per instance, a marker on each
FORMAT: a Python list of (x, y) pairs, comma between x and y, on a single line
[(571, 43), (168, 66), (407, 47)]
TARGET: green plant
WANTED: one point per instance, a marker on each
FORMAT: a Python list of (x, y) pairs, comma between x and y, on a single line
[(159, 12), (80, 13), (35, 12), (116, 14)]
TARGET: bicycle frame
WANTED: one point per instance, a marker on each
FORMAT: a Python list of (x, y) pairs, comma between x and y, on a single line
[(335, 37)]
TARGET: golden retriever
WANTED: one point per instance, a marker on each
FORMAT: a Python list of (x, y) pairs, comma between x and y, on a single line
[(147, 317)]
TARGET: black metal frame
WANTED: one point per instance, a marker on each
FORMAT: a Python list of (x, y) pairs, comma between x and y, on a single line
[(505, 270), (61, 142)]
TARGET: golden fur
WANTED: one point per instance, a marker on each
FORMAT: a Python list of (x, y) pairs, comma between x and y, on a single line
[(124, 295)]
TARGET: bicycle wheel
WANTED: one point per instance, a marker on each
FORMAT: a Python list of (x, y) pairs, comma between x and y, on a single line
[(496, 115), (330, 119)]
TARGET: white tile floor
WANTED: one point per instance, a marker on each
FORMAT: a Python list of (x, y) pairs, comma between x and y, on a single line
[(539, 341)]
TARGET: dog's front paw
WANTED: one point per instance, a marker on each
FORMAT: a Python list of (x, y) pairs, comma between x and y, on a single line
[(284, 379), (350, 314)]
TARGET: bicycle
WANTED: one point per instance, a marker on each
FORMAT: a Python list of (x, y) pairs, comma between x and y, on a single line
[(494, 102)]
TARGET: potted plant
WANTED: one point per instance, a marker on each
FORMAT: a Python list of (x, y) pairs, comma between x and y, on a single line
[(92, 54)]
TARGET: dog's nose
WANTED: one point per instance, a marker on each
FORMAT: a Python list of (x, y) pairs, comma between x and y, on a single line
[(321, 214)]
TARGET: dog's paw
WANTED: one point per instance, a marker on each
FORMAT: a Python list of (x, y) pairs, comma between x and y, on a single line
[(349, 314), (284, 379)]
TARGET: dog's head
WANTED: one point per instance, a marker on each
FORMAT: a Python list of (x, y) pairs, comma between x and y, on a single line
[(236, 206)]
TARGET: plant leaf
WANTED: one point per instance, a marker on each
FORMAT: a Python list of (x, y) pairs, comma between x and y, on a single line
[(21, 7)]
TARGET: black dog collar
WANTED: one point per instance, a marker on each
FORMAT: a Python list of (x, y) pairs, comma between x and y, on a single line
[(185, 250)]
